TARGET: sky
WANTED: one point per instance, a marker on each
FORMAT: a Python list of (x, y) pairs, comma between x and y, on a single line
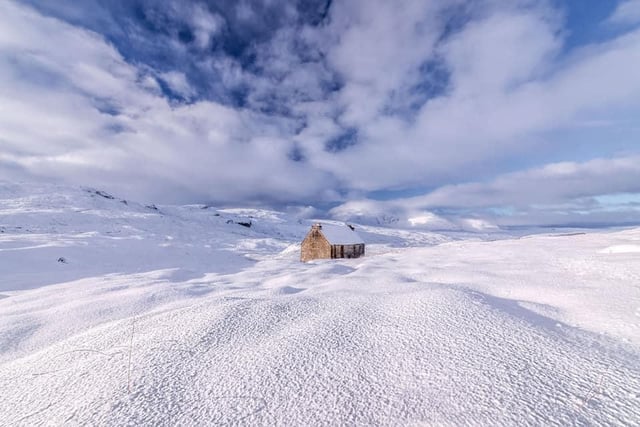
[(509, 112)]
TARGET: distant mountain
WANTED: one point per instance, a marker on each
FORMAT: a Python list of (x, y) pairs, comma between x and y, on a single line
[(390, 214)]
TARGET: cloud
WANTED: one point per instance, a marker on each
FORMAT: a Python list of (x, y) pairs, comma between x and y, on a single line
[(206, 25), (552, 183), (94, 119), (598, 191), (493, 107), (319, 102), (178, 83), (626, 13)]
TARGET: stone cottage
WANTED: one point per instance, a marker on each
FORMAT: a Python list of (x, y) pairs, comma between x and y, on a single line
[(331, 241)]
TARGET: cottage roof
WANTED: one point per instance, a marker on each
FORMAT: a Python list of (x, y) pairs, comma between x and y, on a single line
[(340, 235)]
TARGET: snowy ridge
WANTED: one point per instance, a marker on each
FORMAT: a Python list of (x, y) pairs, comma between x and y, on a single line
[(225, 326)]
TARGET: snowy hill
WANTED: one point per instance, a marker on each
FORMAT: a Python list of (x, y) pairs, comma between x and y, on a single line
[(113, 312)]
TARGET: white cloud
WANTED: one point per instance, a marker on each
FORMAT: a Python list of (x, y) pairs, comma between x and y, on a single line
[(178, 83), (73, 108), (501, 52), (556, 193), (102, 123), (495, 106), (377, 48), (500, 99), (552, 183), (206, 24), (627, 13)]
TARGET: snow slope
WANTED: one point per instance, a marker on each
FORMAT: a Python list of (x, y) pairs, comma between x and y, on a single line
[(180, 316)]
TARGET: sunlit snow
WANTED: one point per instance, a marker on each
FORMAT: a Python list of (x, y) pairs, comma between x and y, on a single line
[(116, 313)]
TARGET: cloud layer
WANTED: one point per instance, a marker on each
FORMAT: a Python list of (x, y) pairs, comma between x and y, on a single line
[(566, 193), (478, 105)]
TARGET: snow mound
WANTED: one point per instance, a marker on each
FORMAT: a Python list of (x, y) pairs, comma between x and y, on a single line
[(164, 315), (621, 249)]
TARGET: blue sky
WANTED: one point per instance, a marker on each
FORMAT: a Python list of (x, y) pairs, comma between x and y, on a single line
[(515, 112)]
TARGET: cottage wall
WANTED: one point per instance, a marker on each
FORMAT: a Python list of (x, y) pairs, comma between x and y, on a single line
[(315, 246)]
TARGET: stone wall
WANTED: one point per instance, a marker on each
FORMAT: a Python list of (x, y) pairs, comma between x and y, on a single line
[(314, 246)]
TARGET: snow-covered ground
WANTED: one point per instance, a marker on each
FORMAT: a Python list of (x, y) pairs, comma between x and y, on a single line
[(116, 313)]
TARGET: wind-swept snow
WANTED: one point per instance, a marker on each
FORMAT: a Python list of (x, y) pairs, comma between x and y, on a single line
[(178, 316), (621, 249)]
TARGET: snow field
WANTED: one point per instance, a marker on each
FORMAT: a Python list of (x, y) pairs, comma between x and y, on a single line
[(181, 318)]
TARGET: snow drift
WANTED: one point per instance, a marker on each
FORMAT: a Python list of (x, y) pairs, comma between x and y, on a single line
[(178, 315)]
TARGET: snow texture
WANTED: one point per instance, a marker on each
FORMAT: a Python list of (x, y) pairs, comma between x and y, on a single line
[(340, 234), (171, 315)]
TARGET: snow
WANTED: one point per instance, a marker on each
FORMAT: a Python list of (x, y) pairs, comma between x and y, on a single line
[(340, 234), (621, 249), (175, 316)]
